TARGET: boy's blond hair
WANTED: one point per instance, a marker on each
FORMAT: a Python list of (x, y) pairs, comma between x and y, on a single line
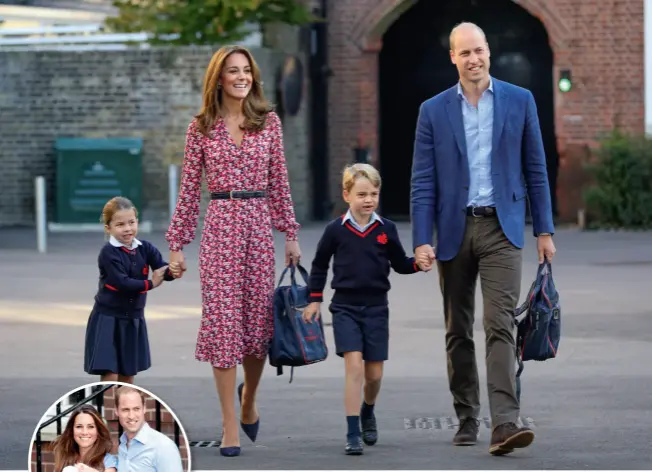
[(355, 171)]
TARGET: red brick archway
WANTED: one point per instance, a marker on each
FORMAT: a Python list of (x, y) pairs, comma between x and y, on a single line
[(369, 29), (583, 37)]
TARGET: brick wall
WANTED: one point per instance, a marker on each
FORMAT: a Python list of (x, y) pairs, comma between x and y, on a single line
[(47, 458), (148, 93), (601, 41), (167, 427)]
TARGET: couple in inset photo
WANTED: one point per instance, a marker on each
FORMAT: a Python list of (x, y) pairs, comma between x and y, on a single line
[(113, 435)]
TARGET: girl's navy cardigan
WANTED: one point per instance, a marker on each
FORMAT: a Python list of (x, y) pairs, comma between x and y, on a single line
[(124, 278)]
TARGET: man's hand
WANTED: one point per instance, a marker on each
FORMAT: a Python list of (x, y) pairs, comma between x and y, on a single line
[(545, 248), (311, 312), (425, 256), (177, 264)]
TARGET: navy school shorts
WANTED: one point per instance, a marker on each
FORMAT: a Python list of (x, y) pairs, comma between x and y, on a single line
[(361, 328)]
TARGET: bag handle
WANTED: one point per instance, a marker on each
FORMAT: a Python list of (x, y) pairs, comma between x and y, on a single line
[(545, 268), (303, 272), (292, 268)]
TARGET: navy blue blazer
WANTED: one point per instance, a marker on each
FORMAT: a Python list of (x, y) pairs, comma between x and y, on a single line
[(440, 169)]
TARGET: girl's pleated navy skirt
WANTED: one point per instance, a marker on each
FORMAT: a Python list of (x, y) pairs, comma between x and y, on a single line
[(116, 345)]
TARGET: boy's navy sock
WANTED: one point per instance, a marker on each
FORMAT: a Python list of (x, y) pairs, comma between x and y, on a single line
[(366, 411), (353, 423)]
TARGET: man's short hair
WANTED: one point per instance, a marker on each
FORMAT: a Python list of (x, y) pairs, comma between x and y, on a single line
[(125, 390), (451, 38)]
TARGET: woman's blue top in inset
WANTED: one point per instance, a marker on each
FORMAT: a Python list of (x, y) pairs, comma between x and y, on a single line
[(110, 461)]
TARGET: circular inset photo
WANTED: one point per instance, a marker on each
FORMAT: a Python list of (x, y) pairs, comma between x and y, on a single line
[(109, 427)]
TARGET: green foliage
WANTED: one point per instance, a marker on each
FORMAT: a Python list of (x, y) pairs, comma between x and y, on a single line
[(621, 196), (202, 21)]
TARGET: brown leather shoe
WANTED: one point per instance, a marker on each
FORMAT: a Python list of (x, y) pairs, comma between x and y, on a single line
[(507, 437), (467, 434)]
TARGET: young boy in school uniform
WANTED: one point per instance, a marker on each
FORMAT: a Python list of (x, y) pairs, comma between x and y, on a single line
[(363, 247)]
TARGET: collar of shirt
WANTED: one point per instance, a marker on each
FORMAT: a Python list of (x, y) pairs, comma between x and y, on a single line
[(114, 242), (372, 220), (460, 90), (142, 436)]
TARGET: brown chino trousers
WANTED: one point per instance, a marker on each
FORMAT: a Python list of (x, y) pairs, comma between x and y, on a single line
[(485, 251)]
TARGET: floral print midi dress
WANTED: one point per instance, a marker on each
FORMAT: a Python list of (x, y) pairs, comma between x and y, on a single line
[(236, 254)]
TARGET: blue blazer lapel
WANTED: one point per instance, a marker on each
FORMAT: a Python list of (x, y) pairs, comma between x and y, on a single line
[(501, 99), (454, 112)]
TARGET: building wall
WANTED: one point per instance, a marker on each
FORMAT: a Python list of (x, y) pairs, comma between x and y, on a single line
[(601, 41), (150, 93)]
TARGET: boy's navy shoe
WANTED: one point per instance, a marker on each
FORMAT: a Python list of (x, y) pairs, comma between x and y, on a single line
[(369, 429), (354, 446)]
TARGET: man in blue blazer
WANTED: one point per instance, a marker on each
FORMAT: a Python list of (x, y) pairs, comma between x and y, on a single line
[(478, 153)]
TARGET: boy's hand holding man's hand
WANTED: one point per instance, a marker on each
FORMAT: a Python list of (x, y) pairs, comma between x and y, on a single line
[(311, 312), (425, 257)]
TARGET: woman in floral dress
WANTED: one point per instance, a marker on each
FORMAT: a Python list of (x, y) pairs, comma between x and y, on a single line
[(237, 141)]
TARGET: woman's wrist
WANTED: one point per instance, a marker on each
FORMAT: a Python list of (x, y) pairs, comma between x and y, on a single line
[(292, 235)]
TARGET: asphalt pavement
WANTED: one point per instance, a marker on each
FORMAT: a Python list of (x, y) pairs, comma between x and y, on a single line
[(591, 407)]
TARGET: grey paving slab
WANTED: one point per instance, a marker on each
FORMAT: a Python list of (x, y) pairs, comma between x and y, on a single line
[(591, 408)]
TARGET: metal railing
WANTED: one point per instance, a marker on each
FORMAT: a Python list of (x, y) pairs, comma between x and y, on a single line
[(98, 397)]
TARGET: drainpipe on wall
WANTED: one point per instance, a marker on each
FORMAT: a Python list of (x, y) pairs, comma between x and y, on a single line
[(319, 74), (647, 48)]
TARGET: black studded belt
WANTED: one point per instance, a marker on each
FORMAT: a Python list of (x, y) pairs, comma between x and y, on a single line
[(238, 194), (481, 211)]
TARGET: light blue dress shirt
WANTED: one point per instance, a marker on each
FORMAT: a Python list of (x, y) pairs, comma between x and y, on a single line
[(110, 461), (149, 451), (478, 129), (362, 229)]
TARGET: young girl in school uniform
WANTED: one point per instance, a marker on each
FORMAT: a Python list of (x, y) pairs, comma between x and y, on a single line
[(117, 347)]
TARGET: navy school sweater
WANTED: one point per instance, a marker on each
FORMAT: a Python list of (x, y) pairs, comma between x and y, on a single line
[(124, 279), (361, 262)]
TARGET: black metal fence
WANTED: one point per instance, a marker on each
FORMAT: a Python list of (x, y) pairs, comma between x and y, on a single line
[(97, 399)]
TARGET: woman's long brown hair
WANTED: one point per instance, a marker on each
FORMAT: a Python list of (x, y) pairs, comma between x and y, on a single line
[(66, 450), (255, 107)]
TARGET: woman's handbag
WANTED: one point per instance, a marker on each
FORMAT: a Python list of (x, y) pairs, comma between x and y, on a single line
[(295, 342)]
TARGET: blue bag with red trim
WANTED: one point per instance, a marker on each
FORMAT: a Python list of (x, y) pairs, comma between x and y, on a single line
[(295, 342), (539, 322)]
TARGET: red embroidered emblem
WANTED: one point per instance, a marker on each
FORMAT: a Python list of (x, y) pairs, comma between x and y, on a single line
[(145, 270), (382, 238)]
